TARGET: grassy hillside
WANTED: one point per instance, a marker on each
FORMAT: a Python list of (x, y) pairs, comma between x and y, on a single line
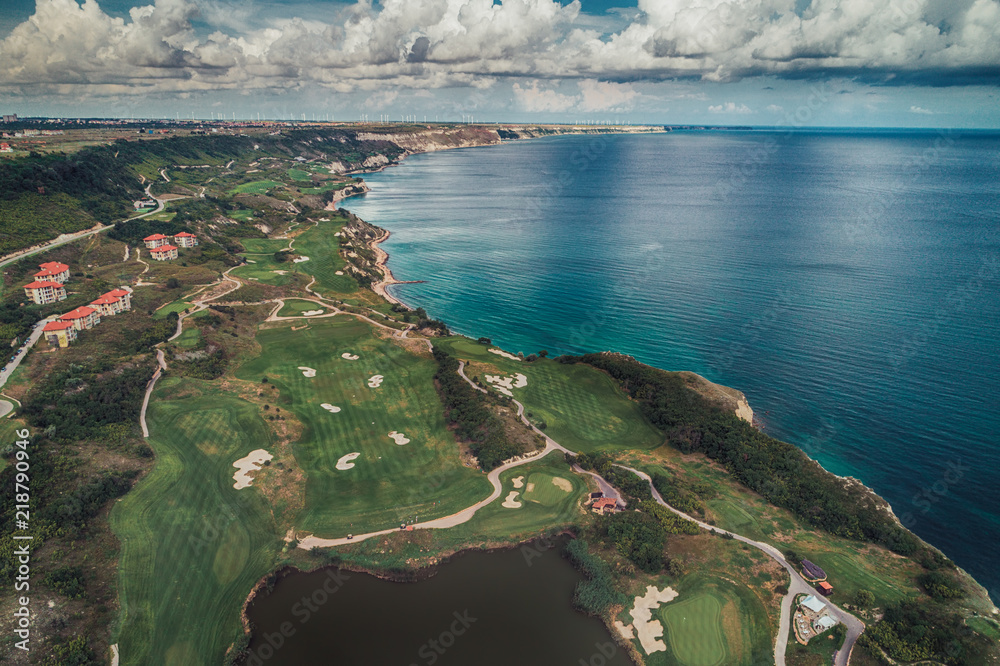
[(30, 218)]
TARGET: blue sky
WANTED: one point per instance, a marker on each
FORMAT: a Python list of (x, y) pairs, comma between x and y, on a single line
[(897, 63)]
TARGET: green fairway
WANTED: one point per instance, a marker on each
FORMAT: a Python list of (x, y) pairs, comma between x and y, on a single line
[(694, 629), (190, 337), (730, 516), (323, 249), (192, 546), (242, 215), (389, 484), (294, 307), (848, 575), (582, 407), (178, 306), (256, 187), (265, 269), (299, 174), (264, 245)]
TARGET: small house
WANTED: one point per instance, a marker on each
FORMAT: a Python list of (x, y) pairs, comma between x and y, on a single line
[(604, 505), (45, 291), (5, 148), (82, 318), (184, 239), (144, 203), (164, 252), (155, 241), (59, 333), (825, 589), (53, 271), (813, 604), (823, 623)]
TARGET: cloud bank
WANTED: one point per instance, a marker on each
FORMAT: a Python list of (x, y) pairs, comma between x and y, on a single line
[(193, 45)]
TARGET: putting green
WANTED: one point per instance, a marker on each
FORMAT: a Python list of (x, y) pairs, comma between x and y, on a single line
[(389, 484), (543, 490), (263, 270), (694, 630), (192, 546), (294, 307), (581, 406)]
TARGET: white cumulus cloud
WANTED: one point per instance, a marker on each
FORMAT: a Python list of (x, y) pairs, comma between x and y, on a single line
[(730, 107)]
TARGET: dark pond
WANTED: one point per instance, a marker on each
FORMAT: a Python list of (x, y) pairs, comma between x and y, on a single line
[(499, 608)]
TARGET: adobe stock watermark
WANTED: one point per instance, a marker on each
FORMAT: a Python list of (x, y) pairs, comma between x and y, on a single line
[(923, 501), (580, 160), (751, 332), (603, 653), (535, 549), (302, 611), (955, 302), (435, 648)]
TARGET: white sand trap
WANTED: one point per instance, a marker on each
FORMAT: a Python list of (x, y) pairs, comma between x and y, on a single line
[(308, 372), (339, 273), (648, 630), (375, 381), (625, 630), (506, 384), (399, 438), (518, 482), (251, 261), (299, 260), (562, 484), (250, 463), (511, 501), (114, 655), (333, 409), (530, 487), (349, 356), (500, 352), (312, 313), (280, 272), (345, 462)]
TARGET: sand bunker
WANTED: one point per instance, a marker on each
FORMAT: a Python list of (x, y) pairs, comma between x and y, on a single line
[(505, 384), (299, 260), (511, 501), (562, 484), (500, 352), (349, 356), (399, 438), (280, 272), (518, 482), (339, 273), (251, 261), (648, 630), (312, 313), (530, 487), (333, 409), (624, 629), (375, 381), (308, 372), (251, 463), (345, 461)]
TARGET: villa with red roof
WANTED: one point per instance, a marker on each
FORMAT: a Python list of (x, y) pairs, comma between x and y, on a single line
[(164, 252), (604, 505), (156, 240), (53, 271), (44, 291), (113, 302), (184, 239), (82, 318), (59, 333)]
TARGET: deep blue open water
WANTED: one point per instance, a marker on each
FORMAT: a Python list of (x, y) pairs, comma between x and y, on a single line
[(847, 282)]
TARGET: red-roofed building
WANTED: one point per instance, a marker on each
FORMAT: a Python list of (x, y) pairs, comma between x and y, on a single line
[(164, 252), (604, 505), (82, 318), (53, 271), (156, 240), (113, 302), (825, 588), (59, 333), (45, 291), (184, 239)]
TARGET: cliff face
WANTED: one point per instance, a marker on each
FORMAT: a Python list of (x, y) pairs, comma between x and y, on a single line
[(436, 139)]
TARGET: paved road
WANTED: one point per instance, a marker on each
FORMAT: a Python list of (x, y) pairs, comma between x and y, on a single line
[(36, 332), (71, 238)]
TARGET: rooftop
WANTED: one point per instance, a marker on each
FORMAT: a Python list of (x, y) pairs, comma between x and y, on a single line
[(57, 326), (79, 313), (42, 284), (154, 237), (164, 248)]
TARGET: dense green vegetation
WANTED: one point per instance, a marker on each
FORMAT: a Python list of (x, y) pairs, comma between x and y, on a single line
[(598, 592), (32, 218), (779, 471), (467, 410), (913, 631)]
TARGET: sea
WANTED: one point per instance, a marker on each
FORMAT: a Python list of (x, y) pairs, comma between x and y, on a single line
[(847, 281)]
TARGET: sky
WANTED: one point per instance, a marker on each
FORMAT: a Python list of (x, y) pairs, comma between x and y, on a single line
[(870, 63)]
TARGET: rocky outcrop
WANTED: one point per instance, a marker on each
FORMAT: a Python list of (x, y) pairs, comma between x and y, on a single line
[(431, 140)]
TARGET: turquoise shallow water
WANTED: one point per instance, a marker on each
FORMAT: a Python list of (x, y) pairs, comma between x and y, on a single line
[(848, 283)]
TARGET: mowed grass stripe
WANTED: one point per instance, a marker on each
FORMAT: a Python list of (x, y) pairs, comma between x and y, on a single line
[(424, 478), (192, 545), (323, 249)]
